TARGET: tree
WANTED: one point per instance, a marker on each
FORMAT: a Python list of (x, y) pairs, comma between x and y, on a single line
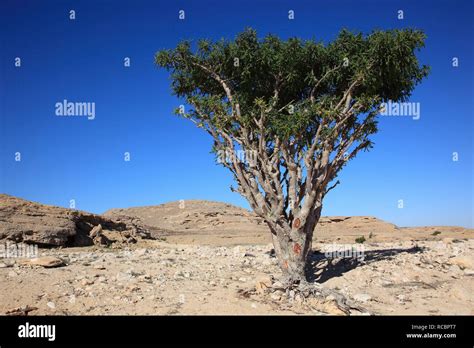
[(299, 109)]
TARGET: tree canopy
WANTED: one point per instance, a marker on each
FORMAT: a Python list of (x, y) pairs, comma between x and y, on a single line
[(293, 87)]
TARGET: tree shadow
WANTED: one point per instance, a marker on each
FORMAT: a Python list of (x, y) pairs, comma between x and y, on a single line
[(321, 268)]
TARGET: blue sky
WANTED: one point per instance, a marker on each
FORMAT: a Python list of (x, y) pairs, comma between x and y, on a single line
[(82, 60)]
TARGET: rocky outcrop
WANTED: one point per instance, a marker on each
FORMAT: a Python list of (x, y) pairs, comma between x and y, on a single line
[(44, 225), (188, 222)]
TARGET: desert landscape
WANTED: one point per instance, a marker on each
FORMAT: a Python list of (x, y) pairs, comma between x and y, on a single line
[(200, 257)]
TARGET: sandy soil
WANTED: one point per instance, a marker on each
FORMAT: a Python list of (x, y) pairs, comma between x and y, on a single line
[(428, 277)]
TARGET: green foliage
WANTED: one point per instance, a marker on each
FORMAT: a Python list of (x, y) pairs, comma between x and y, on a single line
[(383, 65), (360, 239)]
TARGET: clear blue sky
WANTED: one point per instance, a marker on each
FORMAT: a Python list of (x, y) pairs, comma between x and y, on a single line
[(82, 60)]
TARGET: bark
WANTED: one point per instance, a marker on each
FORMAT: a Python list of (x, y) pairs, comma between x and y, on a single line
[(293, 246)]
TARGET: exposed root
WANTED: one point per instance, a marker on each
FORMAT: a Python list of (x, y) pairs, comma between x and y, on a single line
[(304, 294), (21, 311), (318, 295)]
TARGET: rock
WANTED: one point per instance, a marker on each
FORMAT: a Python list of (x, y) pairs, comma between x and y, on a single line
[(45, 261), (131, 240), (401, 297), (133, 288), (178, 274), (44, 225), (140, 252), (51, 305), (123, 277), (328, 307), (102, 240), (462, 262), (469, 272), (145, 278), (96, 231), (133, 273), (276, 296), (86, 282), (299, 299), (277, 284), (263, 284), (362, 297)]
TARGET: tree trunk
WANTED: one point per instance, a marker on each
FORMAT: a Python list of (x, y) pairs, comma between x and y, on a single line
[(293, 246)]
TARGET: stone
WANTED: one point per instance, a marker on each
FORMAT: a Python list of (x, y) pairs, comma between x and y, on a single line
[(86, 282), (102, 240), (327, 307), (263, 284), (276, 296), (362, 297), (469, 272), (133, 288), (140, 252), (51, 305), (45, 261), (145, 278), (462, 262), (178, 274), (96, 231), (277, 284)]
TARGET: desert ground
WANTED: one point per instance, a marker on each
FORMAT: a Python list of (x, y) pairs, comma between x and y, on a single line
[(199, 257)]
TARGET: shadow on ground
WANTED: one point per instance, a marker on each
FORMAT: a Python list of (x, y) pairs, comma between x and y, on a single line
[(321, 268)]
